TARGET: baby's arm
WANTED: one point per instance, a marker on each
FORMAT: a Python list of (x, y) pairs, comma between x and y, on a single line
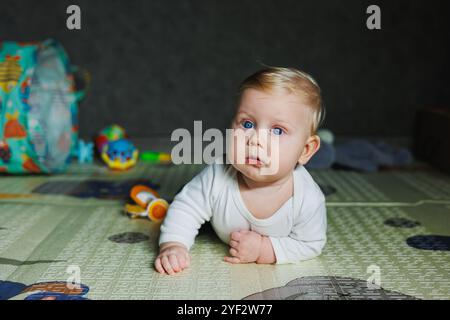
[(266, 253), (307, 237), (306, 240), (188, 211)]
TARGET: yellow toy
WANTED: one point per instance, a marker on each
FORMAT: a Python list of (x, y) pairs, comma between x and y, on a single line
[(148, 204), (120, 154)]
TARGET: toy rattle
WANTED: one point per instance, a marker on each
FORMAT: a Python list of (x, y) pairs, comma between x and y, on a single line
[(119, 154), (115, 149), (148, 204)]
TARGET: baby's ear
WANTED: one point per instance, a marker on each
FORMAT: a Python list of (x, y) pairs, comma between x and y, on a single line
[(311, 147)]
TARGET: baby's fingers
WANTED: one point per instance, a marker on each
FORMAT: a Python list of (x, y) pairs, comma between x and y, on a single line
[(233, 252), (236, 235), (167, 266), (182, 262), (159, 266), (232, 259), (173, 259), (234, 244)]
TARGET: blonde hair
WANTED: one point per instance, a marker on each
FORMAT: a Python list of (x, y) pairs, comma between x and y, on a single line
[(292, 80)]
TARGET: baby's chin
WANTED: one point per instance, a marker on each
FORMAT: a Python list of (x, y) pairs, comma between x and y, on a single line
[(255, 173)]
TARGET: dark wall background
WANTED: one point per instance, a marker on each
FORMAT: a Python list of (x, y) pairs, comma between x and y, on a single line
[(160, 65)]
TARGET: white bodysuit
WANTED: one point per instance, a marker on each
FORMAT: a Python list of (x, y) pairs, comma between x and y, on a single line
[(297, 230)]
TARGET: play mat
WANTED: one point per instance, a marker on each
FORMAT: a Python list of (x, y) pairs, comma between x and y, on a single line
[(392, 227)]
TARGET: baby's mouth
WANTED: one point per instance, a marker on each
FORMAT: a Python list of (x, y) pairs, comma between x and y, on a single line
[(254, 161)]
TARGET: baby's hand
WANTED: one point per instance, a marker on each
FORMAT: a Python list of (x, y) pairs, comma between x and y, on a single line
[(173, 257), (245, 247)]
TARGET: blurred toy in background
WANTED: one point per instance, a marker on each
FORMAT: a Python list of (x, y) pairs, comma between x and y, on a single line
[(120, 154), (156, 157), (85, 152), (115, 149), (148, 204), (367, 156), (39, 102), (358, 154), (111, 133)]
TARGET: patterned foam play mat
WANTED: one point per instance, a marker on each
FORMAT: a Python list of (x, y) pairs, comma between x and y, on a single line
[(388, 238)]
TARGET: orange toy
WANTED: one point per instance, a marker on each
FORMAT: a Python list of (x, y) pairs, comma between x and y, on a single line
[(149, 204)]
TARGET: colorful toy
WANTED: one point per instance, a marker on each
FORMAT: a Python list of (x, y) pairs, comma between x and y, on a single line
[(117, 151), (111, 133), (148, 204), (156, 157), (38, 108), (120, 154), (85, 152)]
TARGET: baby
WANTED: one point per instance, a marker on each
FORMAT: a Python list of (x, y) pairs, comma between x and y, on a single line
[(267, 207)]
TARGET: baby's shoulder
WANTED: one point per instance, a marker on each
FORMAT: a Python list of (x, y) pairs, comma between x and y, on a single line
[(309, 188)]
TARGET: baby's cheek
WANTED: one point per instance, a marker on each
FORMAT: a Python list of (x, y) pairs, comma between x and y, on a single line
[(237, 148), (290, 150), (279, 165)]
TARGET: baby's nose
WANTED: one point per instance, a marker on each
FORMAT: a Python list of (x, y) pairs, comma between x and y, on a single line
[(259, 138), (253, 140)]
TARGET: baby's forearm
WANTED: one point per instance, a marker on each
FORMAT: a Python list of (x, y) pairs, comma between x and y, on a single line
[(266, 252)]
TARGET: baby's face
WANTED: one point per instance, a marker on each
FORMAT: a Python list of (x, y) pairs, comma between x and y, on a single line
[(265, 121)]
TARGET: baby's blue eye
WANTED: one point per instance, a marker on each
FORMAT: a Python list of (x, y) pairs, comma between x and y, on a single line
[(277, 131), (247, 124)]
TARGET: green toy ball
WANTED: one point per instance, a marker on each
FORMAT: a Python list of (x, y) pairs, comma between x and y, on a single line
[(114, 132)]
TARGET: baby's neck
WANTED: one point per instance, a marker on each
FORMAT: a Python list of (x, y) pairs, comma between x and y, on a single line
[(276, 185)]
